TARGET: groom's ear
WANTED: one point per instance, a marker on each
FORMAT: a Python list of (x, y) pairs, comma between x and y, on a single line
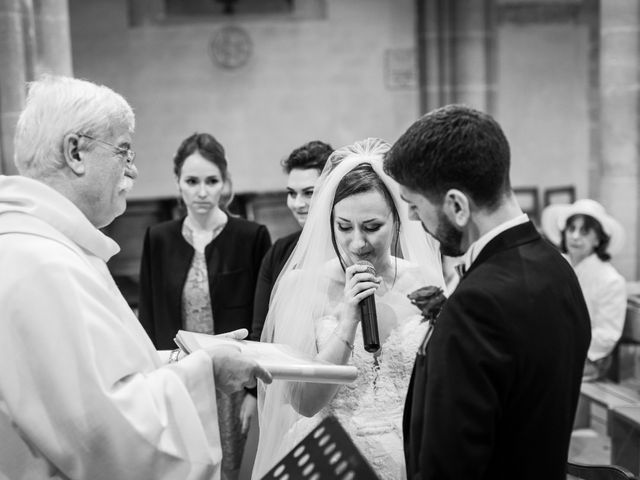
[(457, 207)]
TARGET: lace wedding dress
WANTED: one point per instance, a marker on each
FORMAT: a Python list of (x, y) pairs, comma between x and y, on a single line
[(370, 409)]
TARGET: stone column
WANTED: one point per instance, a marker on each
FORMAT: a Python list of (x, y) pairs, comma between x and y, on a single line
[(53, 37), (15, 45), (456, 53), (34, 39), (615, 181)]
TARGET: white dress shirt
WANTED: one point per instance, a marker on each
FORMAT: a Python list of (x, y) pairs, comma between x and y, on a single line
[(476, 247)]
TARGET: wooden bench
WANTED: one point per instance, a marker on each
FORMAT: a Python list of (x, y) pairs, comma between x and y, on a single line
[(624, 430), (613, 410), (622, 387), (597, 399), (610, 408)]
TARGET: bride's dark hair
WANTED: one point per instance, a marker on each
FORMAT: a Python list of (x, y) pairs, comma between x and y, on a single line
[(363, 179)]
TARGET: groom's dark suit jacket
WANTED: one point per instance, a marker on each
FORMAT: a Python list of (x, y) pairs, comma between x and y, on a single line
[(495, 394)]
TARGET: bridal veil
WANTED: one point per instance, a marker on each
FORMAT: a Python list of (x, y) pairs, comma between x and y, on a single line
[(300, 295)]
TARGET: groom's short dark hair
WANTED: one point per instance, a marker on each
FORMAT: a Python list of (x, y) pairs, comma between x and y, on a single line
[(453, 147)]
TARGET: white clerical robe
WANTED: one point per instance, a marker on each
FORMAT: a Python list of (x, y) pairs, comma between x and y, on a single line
[(83, 393)]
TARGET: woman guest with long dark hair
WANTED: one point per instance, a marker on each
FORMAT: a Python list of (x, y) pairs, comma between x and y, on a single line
[(199, 273)]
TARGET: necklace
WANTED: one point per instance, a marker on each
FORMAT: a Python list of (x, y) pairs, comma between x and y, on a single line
[(376, 368)]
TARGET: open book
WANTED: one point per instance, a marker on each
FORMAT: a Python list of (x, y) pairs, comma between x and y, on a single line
[(282, 361)]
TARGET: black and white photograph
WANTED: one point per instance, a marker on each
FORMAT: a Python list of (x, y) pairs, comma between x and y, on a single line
[(320, 239)]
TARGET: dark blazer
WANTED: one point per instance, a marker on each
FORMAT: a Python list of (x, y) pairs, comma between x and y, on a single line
[(495, 394), (233, 260), (272, 264)]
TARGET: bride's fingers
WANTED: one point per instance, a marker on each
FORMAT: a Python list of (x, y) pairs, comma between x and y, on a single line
[(364, 294), (355, 269), (363, 277), (366, 288), (360, 283), (361, 286), (357, 287)]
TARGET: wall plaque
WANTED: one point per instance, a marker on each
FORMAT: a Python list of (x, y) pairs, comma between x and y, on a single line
[(230, 47)]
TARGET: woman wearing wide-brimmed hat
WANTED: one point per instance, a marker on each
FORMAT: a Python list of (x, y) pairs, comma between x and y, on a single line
[(588, 236)]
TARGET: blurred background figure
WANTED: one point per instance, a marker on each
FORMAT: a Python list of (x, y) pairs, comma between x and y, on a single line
[(303, 167), (588, 236), (198, 273)]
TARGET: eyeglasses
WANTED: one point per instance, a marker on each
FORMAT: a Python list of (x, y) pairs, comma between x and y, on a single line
[(126, 153)]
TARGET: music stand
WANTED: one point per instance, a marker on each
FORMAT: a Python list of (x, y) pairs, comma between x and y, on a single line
[(326, 453)]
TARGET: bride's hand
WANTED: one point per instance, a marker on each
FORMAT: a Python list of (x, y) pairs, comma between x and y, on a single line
[(359, 284)]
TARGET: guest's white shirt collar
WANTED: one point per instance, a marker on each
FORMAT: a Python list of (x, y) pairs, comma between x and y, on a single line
[(476, 247)]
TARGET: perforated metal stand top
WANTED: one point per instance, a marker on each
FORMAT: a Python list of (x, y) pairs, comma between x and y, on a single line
[(327, 453)]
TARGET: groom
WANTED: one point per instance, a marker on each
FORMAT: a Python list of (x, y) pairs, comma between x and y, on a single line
[(494, 394)]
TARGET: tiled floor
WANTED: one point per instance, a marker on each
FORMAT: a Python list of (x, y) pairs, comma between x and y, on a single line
[(587, 446)]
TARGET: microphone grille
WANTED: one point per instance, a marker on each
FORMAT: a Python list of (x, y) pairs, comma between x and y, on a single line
[(368, 264)]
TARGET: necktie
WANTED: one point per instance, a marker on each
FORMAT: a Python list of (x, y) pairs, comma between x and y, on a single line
[(460, 269)]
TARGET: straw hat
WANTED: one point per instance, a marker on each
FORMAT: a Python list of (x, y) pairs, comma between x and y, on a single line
[(554, 220)]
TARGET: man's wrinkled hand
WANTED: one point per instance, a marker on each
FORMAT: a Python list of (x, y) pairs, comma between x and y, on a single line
[(234, 371)]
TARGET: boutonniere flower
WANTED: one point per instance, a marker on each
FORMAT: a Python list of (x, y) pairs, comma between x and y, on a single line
[(429, 301)]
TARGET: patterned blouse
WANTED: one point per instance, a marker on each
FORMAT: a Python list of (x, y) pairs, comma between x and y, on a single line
[(196, 299)]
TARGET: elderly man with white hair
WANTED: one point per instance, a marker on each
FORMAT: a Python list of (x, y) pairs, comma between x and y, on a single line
[(83, 393)]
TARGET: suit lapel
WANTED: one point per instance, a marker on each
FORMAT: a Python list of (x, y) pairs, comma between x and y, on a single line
[(513, 237)]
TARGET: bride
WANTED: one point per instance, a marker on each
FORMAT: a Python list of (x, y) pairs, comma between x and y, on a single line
[(356, 214)]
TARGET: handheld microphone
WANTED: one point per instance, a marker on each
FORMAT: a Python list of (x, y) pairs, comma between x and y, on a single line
[(369, 318)]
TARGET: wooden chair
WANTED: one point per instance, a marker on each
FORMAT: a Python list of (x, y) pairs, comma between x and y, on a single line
[(579, 471)]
